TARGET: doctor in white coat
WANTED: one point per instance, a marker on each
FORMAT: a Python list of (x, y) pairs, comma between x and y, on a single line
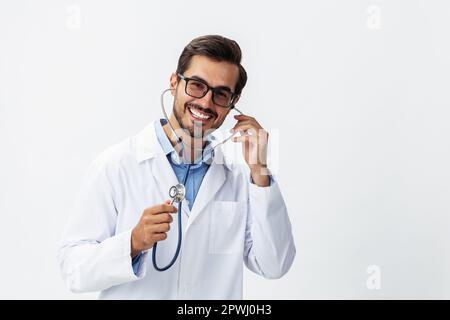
[(232, 215)]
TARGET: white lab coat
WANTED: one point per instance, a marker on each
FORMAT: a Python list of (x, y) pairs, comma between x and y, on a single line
[(232, 221)]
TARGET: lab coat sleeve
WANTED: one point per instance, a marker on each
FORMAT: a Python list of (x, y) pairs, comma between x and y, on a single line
[(269, 245), (92, 257)]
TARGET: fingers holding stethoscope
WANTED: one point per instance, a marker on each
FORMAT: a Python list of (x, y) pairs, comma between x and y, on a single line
[(159, 219), (152, 227), (248, 125), (249, 132), (254, 140)]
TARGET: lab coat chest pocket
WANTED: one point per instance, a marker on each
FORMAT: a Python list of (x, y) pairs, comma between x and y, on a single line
[(227, 227)]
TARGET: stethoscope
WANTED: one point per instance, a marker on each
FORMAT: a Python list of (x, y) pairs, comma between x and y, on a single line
[(178, 191)]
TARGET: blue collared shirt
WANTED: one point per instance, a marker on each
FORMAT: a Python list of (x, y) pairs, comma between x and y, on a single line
[(197, 170)]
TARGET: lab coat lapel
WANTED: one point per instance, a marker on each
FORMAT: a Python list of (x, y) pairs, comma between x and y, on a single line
[(148, 148), (212, 182), (166, 178), (163, 174)]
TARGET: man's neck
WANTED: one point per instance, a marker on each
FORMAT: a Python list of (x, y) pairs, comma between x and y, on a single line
[(188, 144)]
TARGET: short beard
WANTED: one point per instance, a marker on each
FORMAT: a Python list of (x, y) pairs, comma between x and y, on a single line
[(180, 123), (196, 132)]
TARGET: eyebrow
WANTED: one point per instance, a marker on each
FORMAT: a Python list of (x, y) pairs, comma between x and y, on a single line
[(203, 80)]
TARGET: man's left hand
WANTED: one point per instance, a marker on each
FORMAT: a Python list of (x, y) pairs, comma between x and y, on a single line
[(254, 141)]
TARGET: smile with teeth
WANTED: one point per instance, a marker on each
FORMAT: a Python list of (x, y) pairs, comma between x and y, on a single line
[(198, 114)]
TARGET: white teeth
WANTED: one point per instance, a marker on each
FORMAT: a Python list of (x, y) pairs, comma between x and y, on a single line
[(199, 115)]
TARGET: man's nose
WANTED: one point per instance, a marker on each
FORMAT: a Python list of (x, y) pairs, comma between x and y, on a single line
[(207, 100)]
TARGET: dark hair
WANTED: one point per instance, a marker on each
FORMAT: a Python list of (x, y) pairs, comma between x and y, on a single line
[(217, 48)]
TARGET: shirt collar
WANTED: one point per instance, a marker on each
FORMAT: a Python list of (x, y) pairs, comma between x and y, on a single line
[(169, 150), (147, 146), (163, 140)]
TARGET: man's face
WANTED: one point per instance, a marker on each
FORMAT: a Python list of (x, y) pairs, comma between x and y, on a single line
[(202, 115)]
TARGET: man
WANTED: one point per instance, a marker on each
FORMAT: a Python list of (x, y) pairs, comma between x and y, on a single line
[(231, 215)]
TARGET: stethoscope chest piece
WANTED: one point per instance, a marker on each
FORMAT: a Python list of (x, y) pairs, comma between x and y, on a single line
[(177, 193)]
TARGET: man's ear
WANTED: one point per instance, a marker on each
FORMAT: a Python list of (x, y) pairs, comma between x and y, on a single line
[(173, 83)]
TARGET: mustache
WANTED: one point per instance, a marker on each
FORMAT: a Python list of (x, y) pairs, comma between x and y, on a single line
[(203, 109)]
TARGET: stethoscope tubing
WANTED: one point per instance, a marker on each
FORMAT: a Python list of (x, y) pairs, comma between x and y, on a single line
[(180, 232)]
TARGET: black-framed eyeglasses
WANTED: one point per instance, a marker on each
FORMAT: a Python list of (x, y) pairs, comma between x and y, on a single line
[(198, 89)]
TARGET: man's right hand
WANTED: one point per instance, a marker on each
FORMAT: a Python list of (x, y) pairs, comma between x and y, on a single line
[(152, 227)]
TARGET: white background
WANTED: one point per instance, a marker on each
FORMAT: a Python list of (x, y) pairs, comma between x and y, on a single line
[(359, 91)]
